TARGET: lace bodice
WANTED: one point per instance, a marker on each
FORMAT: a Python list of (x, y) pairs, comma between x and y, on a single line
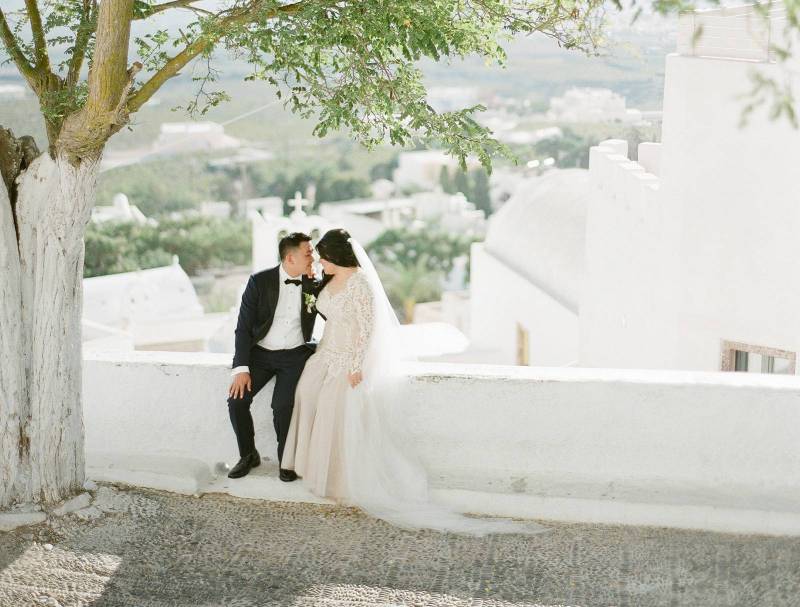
[(350, 318)]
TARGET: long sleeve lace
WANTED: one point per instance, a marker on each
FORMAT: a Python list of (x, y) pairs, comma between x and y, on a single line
[(364, 320)]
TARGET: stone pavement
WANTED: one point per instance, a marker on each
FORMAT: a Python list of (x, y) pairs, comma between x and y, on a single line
[(154, 549)]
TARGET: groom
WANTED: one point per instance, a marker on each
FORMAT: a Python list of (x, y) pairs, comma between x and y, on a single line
[(276, 320)]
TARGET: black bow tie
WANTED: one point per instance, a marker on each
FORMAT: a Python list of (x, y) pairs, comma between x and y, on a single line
[(290, 281)]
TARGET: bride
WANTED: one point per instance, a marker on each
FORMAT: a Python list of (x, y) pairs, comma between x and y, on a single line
[(346, 439)]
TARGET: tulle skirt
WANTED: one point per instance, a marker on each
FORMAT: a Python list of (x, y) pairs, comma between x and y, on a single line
[(352, 445), (314, 448)]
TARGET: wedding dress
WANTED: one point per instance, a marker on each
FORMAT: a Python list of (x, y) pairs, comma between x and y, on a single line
[(351, 444)]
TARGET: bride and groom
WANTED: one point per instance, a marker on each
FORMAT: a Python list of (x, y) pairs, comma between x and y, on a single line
[(336, 407)]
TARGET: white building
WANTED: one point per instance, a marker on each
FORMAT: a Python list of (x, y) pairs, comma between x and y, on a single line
[(242, 156), (120, 210), (685, 259), (154, 309), (205, 136), (526, 277), (366, 219), (422, 169), (268, 205), (219, 209), (693, 250), (591, 105), (268, 229), (383, 189)]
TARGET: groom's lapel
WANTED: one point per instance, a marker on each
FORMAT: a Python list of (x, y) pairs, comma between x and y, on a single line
[(306, 288), (273, 290)]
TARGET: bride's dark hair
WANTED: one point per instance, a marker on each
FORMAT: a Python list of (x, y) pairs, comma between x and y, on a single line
[(334, 247)]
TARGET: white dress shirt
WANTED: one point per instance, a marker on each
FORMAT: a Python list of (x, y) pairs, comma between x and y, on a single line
[(286, 331)]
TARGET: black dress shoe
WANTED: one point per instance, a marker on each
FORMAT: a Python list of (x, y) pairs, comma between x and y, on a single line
[(287, 476), (245, 464)]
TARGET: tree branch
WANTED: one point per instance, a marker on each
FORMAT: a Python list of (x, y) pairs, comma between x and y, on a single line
[(165, 6), (85, 133), (174, 65), (10, 42), (109, 73), (39, 43), (84, 33)]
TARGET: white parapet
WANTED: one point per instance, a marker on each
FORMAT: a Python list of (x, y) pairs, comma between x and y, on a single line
[(649, 155), (624, 179), (692, 450)]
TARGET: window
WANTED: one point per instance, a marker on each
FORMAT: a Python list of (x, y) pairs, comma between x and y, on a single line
[(746, 358), (523, 346)]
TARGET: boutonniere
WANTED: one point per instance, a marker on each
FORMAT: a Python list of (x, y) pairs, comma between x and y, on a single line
[(311, 302)]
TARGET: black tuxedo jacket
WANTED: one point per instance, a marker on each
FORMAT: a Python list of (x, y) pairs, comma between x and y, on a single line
[(257, 311)]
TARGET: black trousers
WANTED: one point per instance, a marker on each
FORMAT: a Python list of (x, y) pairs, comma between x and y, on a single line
[(285, 366)]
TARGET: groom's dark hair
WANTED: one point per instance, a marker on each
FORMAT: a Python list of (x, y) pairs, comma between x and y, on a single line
[(290, 242)]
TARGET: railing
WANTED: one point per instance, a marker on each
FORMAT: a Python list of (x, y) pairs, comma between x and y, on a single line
[(742, 32)]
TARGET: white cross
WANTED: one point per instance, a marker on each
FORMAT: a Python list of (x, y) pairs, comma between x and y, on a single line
[(298, 202)]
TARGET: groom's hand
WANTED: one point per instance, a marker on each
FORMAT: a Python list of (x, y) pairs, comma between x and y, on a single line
[(241, 382)]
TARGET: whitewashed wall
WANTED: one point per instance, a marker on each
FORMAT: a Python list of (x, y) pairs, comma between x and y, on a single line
[(736, 215), (500, 299), (697, 450), (708, 250), (625, 309)]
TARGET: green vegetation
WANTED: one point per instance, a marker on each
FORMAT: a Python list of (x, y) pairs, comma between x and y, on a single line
[(329, 187), (407, 285), (405, 246), (473, 184), (414, 262), (199, 242), (572, 148), (183, 182), (158, 187)]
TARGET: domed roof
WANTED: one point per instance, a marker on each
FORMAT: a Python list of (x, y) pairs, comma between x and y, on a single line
[(541, 232), (120, 201)]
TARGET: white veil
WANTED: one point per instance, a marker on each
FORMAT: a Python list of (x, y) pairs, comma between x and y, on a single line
[(384, 476)]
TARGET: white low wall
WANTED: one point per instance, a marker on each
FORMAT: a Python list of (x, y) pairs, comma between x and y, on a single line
[(694, 450)]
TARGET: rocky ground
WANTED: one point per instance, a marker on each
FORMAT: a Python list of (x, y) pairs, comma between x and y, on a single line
[(125, 547)]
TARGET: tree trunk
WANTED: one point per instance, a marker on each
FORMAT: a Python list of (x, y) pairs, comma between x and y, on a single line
[(13, 389), (41, 423)]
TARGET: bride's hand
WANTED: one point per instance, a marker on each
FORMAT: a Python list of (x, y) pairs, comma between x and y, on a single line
[(355, 378)]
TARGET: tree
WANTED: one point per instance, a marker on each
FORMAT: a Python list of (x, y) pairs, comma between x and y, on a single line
[(384, 170), (481, 194), (473, 184), (347, 65), (445, 181), (407, 285), (404, 247), (461, 182), (569, 150), (200, 243)]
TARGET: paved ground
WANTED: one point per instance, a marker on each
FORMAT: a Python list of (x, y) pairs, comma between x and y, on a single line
[(157, 549)]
